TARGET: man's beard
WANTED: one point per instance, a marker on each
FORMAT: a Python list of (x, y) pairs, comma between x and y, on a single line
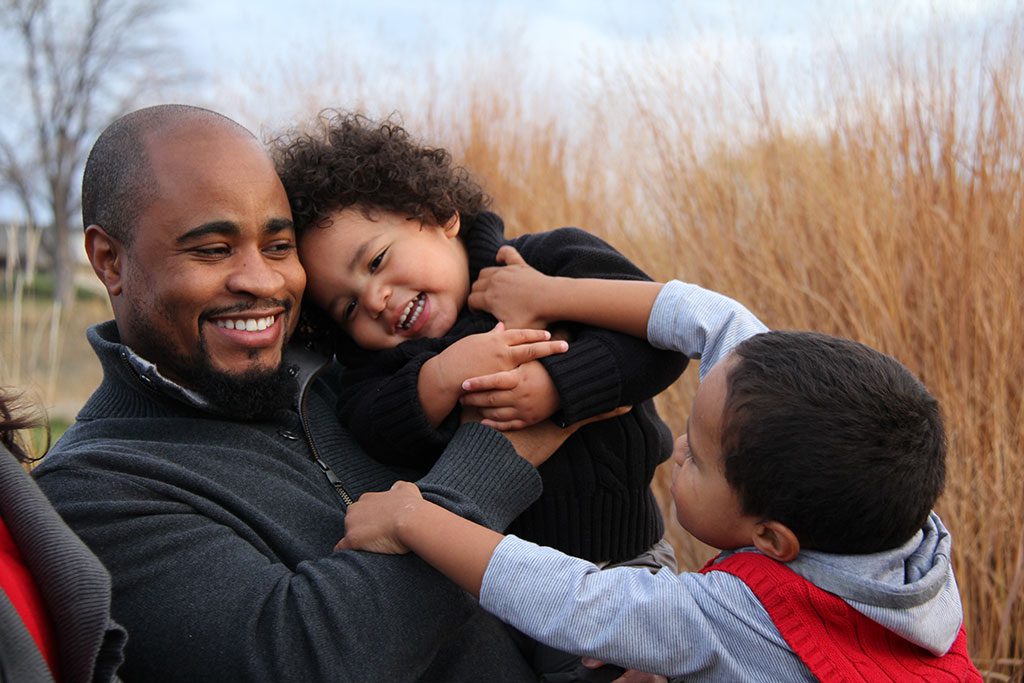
[(251, 395), (254, 394)]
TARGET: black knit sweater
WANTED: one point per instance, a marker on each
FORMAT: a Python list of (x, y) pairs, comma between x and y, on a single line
[(597, 503)]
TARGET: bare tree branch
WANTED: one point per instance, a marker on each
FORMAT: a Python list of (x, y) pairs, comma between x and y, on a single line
[(81, 65)]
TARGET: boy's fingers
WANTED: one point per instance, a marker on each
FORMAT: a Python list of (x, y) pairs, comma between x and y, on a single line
[(343, 544), (509, 256), (498, 380)]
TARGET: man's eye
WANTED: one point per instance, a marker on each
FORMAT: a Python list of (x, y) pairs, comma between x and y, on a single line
[(281, 247), (375, 263), (219, 250)]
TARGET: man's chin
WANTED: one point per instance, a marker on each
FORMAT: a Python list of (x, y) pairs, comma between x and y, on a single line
[(254, 393)]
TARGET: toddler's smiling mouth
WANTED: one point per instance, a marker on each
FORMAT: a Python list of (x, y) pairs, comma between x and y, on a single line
[(412, 312)]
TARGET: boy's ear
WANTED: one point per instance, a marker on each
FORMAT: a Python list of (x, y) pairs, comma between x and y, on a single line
[(451, 228), (776, 540), (106, 254)]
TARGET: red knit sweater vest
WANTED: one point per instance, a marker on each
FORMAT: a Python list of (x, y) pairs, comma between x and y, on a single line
[(835, 641)]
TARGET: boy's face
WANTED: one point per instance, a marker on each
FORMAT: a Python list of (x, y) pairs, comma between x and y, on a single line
[(387, 279), (706, 505)]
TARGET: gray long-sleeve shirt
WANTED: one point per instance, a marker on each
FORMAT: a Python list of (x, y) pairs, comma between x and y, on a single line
[(711, 627), (218, 534)]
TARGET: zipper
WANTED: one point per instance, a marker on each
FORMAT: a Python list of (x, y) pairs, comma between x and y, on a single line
[(314, 452)]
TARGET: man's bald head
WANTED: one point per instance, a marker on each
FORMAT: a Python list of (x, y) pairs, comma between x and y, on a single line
[(119, 183)]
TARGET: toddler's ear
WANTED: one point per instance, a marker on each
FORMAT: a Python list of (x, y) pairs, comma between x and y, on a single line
[(451, 228), (776, 540)]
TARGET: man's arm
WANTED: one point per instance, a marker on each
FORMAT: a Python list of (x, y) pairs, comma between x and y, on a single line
[(234, 578)]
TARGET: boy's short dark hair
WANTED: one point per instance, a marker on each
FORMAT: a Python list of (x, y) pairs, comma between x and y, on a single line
[(837, 441), (352, 160)]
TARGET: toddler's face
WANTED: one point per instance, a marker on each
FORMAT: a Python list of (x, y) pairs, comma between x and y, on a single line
[(386, 279), (706, 505)]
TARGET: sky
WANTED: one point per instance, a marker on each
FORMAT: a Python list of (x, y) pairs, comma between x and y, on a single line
[(239, 46), (266, 62)]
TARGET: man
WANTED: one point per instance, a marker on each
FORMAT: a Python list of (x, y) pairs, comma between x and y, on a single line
[(208, 472)]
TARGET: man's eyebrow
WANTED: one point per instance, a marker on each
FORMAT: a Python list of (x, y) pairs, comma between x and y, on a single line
[(229, 229), (226, 228), (276, 225)]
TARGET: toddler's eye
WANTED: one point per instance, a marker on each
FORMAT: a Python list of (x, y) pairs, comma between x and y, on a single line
[(375, 263), (350, 310)]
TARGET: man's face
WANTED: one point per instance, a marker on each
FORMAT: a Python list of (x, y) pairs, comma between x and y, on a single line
[(211, 280)]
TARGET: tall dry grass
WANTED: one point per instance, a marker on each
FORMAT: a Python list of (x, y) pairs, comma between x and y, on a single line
[(889, 211)]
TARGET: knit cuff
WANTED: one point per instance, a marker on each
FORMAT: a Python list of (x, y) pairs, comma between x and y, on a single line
[(588, 380), (480, 476), (399, 422)]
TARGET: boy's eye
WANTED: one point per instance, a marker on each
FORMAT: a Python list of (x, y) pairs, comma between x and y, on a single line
[(375, 263), (350, 309)]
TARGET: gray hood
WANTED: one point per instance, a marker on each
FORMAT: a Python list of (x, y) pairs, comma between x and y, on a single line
[(910, 589)]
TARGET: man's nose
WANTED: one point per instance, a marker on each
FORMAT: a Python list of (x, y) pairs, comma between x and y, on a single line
[(256, 274)]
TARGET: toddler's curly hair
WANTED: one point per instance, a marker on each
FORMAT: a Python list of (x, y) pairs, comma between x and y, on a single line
[(351, 160)]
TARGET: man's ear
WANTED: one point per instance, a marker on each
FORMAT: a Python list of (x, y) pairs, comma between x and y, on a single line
[(106, 254), (776, 540), (451, 228)]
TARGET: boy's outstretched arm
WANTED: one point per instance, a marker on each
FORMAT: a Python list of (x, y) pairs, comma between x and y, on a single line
[(519, 294), (400, 520)]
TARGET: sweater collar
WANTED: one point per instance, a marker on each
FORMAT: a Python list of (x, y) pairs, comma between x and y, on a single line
[(133, 386), (483, 236)]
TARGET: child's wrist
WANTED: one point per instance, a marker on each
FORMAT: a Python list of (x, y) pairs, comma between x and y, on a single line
[(409, 520)]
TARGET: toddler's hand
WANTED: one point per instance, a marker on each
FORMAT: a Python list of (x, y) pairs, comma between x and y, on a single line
[(513, 399), (495, 351), (373, 521), (513, 293)]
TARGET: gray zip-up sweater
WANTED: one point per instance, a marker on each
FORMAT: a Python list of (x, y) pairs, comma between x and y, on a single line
[(73, 584), (218, 534), (711, 627)]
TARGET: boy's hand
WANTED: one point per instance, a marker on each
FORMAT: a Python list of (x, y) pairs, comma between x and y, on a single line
[(513, 293), (513, 399), (371, 523)]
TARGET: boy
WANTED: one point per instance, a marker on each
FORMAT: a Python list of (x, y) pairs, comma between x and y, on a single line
[(392, 235), (812, 462)]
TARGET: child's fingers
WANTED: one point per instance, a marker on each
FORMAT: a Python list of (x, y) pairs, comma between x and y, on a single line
[(524, 353), (488, 399), (504, 413), (509, 256), (522, 335), (507, 379), (509, 426)]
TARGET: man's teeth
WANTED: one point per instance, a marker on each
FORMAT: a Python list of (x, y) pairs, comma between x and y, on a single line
[(247, 324), (412, 311)]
